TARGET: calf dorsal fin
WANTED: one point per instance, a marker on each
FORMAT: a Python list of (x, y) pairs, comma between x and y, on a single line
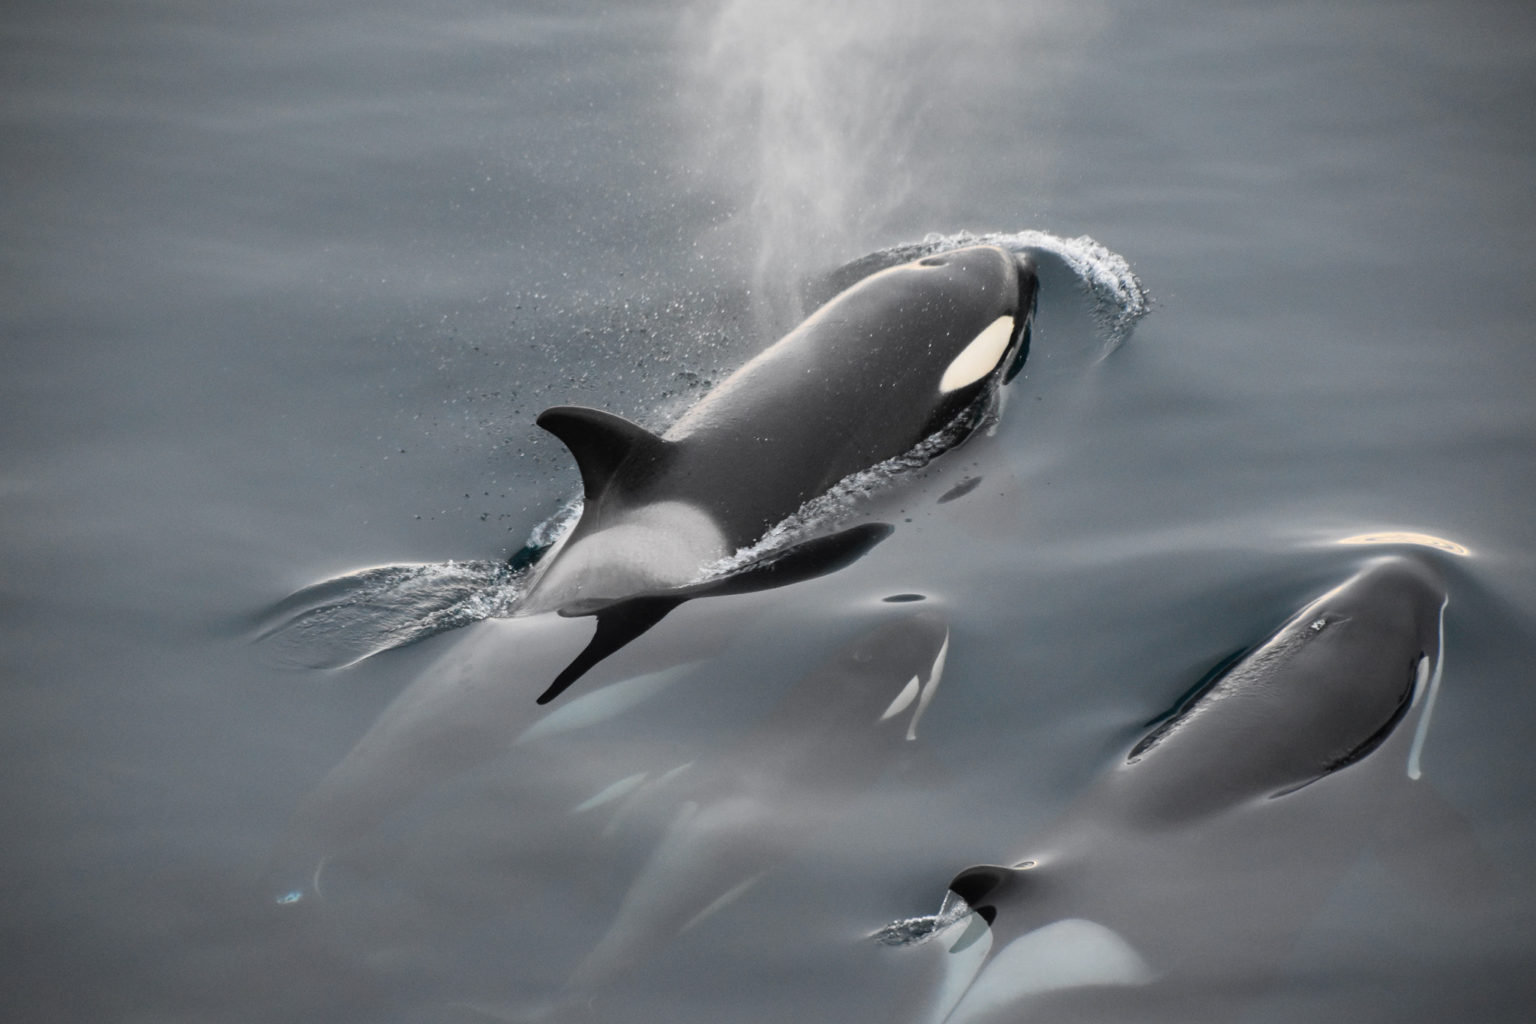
[(600, 441)]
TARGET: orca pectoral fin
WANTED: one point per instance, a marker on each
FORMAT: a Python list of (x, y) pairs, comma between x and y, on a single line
[(600, 442), (618, 625), (798, 563), (622, 622)]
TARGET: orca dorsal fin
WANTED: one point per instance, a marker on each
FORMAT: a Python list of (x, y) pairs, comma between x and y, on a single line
[(600, 441)]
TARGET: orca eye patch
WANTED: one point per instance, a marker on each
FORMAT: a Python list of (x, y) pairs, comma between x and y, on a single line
[(980, 357)]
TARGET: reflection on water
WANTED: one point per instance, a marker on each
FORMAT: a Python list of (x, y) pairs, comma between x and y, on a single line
[(1408, 537)]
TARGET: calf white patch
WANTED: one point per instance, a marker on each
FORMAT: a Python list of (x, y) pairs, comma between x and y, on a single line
[(1429, 699), (907, 695), (961, 965), (1067, 954), (980, 357), (935, 672)]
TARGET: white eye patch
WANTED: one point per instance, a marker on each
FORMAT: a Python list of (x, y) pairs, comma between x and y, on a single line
[(980, 357)]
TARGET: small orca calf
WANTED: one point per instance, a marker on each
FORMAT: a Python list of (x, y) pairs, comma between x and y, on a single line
[(891, 361), (1182, 877)]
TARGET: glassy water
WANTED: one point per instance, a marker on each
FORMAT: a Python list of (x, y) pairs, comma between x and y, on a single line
[(286, 284)]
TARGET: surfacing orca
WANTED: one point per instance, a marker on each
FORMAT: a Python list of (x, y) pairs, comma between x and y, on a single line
[(1181, 878), (893, 360), (904, 354)]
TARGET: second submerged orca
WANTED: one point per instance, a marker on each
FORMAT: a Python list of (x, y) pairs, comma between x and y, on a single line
[(1184, 874), (745, 810)]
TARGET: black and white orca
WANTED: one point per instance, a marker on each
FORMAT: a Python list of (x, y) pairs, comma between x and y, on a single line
[(884, 365), (1173, 887), (904, 354), (891, 361)]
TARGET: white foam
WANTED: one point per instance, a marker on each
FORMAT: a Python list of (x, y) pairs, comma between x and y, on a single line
[(340, 621), (1119, 297), (914, 931)]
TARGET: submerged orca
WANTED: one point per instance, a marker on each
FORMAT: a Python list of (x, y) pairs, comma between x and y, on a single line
[(1184, 874), (886, 364), (744, 811)]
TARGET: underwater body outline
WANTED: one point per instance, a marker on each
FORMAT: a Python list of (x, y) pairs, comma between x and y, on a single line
[(742, 811)]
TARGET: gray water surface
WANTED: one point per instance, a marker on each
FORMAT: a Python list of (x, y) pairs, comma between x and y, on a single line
[(284, 286)]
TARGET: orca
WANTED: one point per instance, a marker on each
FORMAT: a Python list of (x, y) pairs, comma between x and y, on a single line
[(910, 352), (736, 815), (891, 361), (1181, 878)]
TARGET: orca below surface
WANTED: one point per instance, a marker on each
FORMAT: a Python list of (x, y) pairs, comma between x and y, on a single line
[(1173, 889)]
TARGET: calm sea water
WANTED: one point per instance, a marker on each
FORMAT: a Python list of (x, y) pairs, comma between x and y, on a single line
[(285, 285)]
